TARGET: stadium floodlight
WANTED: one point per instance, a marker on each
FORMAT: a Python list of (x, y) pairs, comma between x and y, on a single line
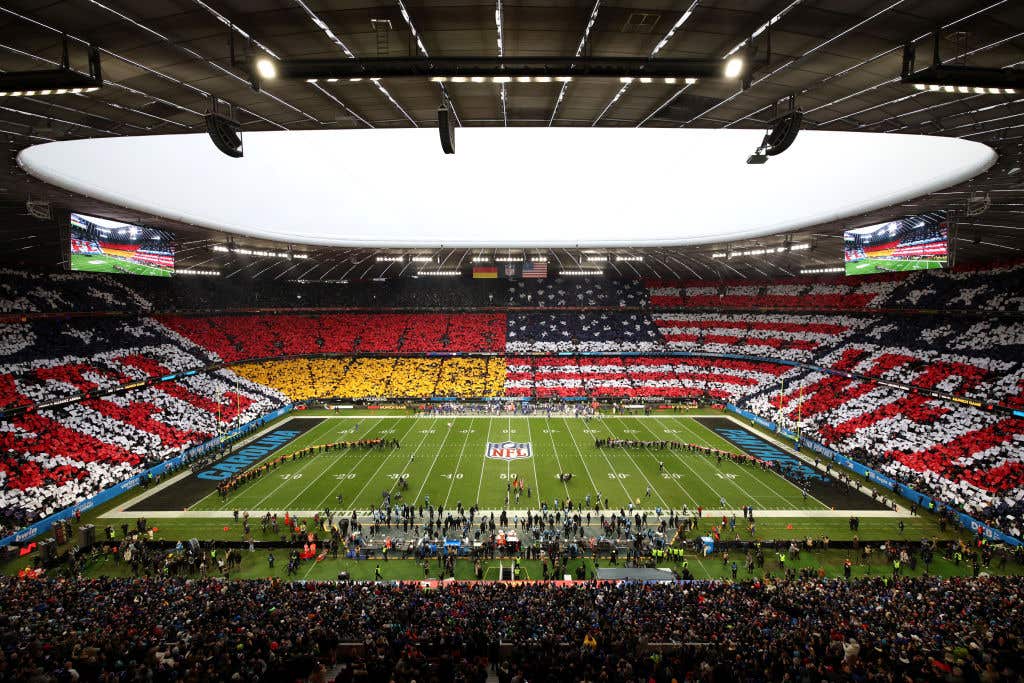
[(224, 130), (265, 68), (819, 271), (60, 81), (958, 78), (733, 67), (505, 69)]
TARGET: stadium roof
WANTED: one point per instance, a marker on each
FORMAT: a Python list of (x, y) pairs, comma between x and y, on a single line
[(841, 58)]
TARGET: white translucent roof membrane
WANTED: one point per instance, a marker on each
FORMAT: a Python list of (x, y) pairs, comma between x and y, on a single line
[(543, 187)]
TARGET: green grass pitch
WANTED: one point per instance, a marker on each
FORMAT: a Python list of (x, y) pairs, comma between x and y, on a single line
[(872, 266), (447, 464), (101, 263)]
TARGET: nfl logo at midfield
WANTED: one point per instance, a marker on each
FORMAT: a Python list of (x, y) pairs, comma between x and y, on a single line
[(509, 450)]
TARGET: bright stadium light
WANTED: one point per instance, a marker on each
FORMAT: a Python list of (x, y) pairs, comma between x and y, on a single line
[(734, 67), (265, 68)]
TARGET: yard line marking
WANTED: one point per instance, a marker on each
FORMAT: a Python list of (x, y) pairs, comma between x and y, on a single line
[(384, 461), (328, 469), (558, 462), (390, 452), (726, 479), (241, 495), (681, 487), (775, 493), (637, 466), (674, 481), (462, 451), (704, 481), (284, 482), (483, 465), (580, 451), (426, 477), (536, 477)]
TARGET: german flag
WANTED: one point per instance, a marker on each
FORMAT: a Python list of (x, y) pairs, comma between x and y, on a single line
[(480, 272)]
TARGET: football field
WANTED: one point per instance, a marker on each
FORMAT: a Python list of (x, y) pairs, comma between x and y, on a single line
[(872, 266), (451, 460), (102, 263)]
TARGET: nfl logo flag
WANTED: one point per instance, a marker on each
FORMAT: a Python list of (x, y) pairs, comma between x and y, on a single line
[(509, 450)]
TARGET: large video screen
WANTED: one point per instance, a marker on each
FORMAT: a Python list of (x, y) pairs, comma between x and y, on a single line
[(910, 243), (100, 245)]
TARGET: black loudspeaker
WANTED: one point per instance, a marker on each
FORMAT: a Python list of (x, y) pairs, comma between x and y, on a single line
[(783, 133), (342, 576), (446, 126), (86, 536), (224, 130), (506, 574), (48, 551)]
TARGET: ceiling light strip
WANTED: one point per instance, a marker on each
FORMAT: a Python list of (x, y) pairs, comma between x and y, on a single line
[(579, 51), (423, 49), (189, 51), (896, 79), (348, 53), (142, 67), (739, 46), (657, 48), (793, 61), (498, 20)]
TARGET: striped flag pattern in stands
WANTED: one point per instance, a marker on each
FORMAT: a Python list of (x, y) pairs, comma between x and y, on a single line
[(535, 269)]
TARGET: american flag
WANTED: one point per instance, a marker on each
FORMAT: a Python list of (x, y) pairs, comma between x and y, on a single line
[(535, 269)]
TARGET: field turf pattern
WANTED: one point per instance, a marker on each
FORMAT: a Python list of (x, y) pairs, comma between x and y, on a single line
[(101, 263), (448, 466), (873, 266)]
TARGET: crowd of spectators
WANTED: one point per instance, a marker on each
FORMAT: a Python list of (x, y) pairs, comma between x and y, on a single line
[(211, 630), (50, 359), (607, 332), (358, 378), (791, 337), (636, 377), (246, 337), (968, 457), (959, 454), (564, 292), (997, 289), (25, 292), (55, 457)]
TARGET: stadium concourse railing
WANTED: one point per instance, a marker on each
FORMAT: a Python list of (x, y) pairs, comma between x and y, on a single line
[(910, 494)]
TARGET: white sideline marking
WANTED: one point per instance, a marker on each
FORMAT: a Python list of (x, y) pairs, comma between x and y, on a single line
[(708, 514)]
